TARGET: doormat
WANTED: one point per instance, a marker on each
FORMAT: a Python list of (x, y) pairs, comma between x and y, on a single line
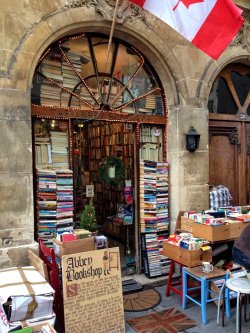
[(167, 321), (130, 286), (142, 300)]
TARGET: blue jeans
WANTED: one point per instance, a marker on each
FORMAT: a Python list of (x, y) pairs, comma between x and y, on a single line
[(241, 259)]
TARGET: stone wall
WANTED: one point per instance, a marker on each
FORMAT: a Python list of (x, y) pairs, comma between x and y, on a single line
[(27, 28)]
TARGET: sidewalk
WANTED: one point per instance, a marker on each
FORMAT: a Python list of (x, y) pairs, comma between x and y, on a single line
[(193, 311)]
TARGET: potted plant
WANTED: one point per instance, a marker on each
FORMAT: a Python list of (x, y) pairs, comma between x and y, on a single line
[(87, 218)]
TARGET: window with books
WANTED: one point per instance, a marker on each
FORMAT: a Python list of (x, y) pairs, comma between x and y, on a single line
[(75, 72)]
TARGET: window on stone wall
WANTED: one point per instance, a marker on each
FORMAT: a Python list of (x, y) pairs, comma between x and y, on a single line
[(231, 91), (83, 72)]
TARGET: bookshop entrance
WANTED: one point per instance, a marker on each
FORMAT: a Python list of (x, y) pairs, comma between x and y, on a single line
[(99, 131), (104, 159)]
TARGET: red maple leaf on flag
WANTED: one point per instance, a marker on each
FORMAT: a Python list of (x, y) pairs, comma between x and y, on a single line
[(187, 3)]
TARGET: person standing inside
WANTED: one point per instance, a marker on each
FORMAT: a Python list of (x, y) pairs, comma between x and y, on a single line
[(241, 249)]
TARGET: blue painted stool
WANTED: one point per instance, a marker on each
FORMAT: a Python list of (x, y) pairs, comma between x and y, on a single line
[(204, 288)]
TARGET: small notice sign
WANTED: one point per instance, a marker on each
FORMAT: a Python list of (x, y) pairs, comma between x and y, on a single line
[(90, 191), (92, 292)]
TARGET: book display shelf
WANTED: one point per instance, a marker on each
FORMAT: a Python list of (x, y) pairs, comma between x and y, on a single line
[(154, 220)]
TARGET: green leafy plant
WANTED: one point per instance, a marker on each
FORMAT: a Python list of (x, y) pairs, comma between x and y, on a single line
[(87, 218)]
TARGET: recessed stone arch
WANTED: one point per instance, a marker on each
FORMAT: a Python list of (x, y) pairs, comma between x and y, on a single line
[(65, 22)]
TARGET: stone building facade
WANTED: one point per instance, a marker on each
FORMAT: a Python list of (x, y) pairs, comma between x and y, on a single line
[(28, 27)]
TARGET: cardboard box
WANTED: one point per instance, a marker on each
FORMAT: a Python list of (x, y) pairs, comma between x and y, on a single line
[(187, 224), (25, 294), (228, 231), (185, 257), (6, 327), (76, 246), (37, 328), (82, 233), (38, 323)]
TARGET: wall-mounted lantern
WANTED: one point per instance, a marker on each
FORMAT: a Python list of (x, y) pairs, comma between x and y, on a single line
[(192, 140)]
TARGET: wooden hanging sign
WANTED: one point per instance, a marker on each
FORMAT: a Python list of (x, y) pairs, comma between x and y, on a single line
[(92, 292)]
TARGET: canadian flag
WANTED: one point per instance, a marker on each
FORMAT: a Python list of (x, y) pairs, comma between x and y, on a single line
[(208, 24)]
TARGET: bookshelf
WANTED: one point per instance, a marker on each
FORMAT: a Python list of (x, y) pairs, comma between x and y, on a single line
[(109, 139), (154, 220), (80, 164)]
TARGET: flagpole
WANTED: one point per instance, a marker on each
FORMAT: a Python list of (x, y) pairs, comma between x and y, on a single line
[(111, 33)]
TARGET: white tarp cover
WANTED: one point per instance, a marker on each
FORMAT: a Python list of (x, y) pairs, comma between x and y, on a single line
[(29, 294)]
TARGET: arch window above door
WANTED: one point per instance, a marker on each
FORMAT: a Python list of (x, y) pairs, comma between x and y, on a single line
[(84, 72), (231, 91)]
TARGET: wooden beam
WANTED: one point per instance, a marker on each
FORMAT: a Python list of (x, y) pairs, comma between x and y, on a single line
[(67, 113)]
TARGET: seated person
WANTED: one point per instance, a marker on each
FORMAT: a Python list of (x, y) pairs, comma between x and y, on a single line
[(241, 249)]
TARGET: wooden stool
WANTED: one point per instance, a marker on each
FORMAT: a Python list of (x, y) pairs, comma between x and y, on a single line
[(205, 291), (172, 285)]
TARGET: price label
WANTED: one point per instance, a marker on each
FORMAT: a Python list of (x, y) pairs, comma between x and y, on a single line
[(90, 191)]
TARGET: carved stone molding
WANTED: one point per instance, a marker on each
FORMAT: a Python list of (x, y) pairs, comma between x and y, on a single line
[(242, 39), (126, 10)]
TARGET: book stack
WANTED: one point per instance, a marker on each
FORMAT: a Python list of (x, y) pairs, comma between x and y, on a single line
[(150, 102), (70, 79), (59, 148), (110, 93), (154, 221), (152, 255), (50, 93), (164, 261), (42, 152), (162, 196), (128, 109), (85, 95), (150, 151), (47, 205), (148, 134), (65, 205), (148, 219)]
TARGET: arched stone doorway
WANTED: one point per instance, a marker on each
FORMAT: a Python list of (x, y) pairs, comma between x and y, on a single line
[(114, 109), (229, 132)]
